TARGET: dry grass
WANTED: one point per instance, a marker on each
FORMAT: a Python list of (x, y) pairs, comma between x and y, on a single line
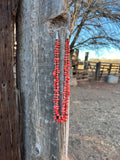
[(94, 122)]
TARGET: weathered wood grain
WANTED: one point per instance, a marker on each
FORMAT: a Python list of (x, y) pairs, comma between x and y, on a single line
[(9, 126), (44, 139)]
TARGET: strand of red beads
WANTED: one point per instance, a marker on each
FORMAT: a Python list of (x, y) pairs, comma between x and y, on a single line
[(66, 84), (56, 73)]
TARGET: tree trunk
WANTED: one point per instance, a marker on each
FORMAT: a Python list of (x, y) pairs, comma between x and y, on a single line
[(44, 139), (9, 117)]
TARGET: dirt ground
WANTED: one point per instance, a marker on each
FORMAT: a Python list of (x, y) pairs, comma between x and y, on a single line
[(95, 122)]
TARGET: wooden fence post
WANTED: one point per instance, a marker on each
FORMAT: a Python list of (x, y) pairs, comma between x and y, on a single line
[(119, 69), (97, 73), (38, 22), (86, 61), (9, 117), (109, 70)]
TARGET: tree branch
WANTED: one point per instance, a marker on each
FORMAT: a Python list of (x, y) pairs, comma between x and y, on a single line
[(99, 37), (81, 24)]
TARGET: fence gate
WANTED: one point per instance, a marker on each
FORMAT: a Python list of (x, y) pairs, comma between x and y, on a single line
[(9, 127)]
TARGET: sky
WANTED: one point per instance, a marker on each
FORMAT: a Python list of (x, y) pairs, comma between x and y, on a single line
[(111, 53)]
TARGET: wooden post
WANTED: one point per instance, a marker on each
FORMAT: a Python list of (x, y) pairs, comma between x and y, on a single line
[(86, 61), (119, 69), (9, 117), (76, 53), (97, 73), (110, 67), (38, 22)]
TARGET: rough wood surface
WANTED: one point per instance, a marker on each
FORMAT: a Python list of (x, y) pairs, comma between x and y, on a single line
[(44, 139), (9, 126)]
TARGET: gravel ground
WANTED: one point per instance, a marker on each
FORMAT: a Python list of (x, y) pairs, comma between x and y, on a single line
[(95, 122)]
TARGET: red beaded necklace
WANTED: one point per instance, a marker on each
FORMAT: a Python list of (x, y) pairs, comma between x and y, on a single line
[(63, 115)]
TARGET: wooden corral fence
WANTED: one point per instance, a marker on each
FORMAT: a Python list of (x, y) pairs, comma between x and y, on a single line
[(91, 70)]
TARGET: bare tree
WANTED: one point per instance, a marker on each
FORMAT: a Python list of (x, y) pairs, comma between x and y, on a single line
[(94, 22)]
